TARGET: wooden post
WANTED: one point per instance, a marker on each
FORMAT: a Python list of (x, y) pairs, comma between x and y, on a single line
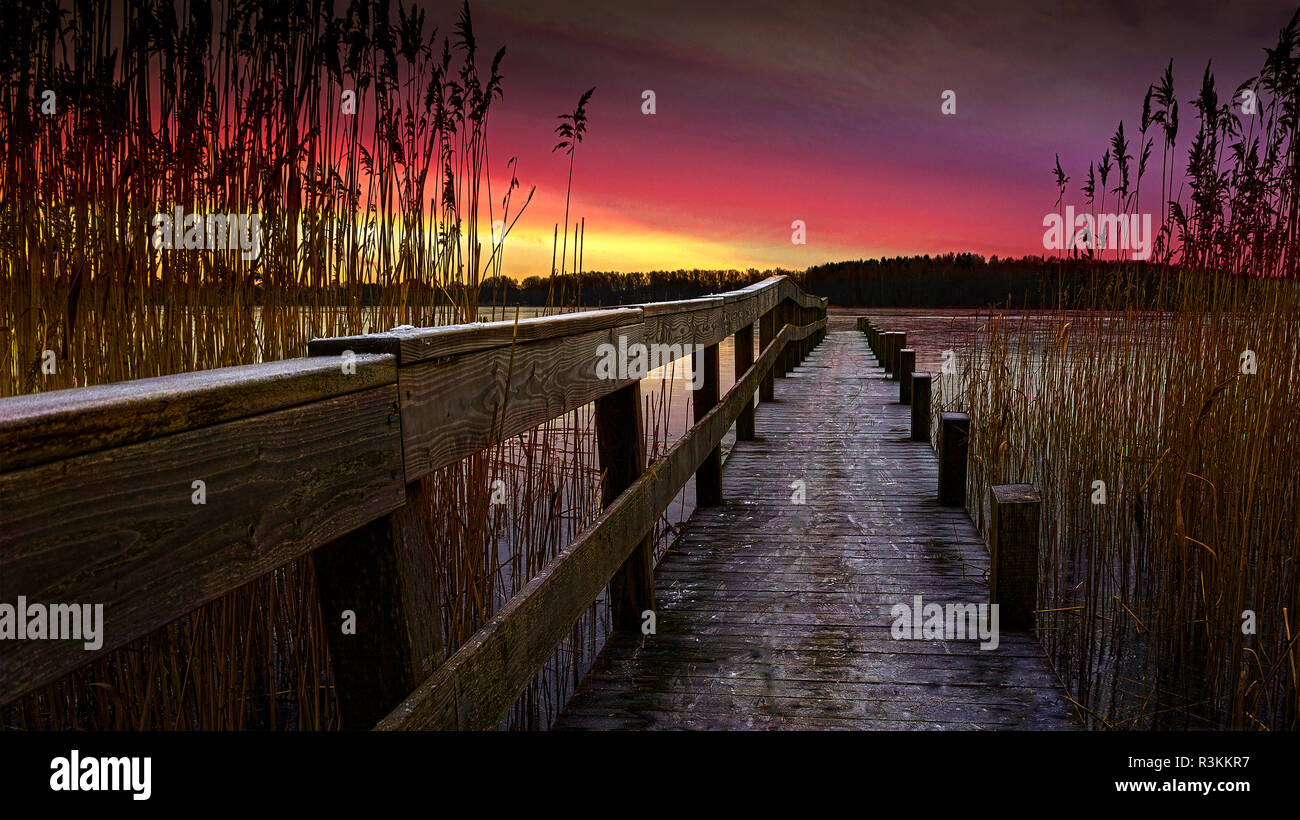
[(766, 332), (900, 342), (622, 460), (382, 573), (708, 478), (744, 361), (954, 436), (921, 407), (782, 312), (1013, 553), (906, 364)]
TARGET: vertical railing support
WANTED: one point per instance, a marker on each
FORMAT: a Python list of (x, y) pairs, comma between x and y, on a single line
[(954, 438), (1013, 553), (921, 407), (782, 311), (383, 575), (906, 364), (621, 445), (766, 333), (744, 360), (708, 478)]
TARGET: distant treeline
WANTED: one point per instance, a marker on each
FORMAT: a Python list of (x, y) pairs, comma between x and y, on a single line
[(949, 280), (608, 288)]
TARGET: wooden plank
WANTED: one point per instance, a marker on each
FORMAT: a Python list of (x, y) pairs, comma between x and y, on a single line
[(457, 406), (45, 427), (652, 309), (384, 575), (419, 344), (703, 326), (120, 527), (479, 683)]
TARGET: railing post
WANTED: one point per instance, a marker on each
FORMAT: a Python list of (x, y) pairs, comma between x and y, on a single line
[(954, 437), (906, 364), (708, 478), (622, 460), (900, 342), (1013, 553), (766, 333), (787, 355), (383, 573), (921, 407), (744, 360)]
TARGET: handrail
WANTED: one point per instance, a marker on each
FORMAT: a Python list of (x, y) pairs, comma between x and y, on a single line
[(477, 685), (156, 496)]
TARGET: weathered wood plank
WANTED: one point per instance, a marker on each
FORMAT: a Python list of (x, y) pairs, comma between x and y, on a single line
[(454, 407), (701, 325), (45, 427), (120, 526), (418, 344)]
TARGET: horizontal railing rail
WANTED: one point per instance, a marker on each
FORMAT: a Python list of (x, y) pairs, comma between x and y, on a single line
[(156, 496)]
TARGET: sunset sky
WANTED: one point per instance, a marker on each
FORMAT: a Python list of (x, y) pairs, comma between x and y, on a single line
[(771, 111)]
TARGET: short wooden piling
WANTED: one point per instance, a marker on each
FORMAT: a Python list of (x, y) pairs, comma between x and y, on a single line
[(954, 437), (886, 341), (708, 478), (744, 360), (921, 407), (1013, 553), (906, 363), (895, 350)]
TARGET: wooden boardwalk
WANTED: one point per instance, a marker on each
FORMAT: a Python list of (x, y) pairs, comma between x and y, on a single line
[(776, 615)]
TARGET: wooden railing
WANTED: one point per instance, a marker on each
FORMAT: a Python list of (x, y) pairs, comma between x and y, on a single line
[(101, 500)]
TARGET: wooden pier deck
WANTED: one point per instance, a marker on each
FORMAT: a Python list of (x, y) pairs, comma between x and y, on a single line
[(776, 615)]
